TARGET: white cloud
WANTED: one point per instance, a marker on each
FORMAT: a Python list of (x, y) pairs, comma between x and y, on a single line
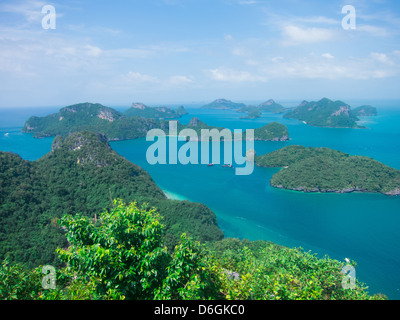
[(277, 59), (377, 65), (372, 30), (240, 52), (381, 57), (139, 77), (93, 51), (328, 56), (317, 20), (178, 80), (229, 75), (247, 2), (31, 10), (296, 35)]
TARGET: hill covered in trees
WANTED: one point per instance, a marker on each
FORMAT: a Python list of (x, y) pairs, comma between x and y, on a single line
[(141, 110), (91, 117), (223, 104), (269, 106), (273, 131), (82, 174), (327, 113), (117, 126), (121, 256), (327, 170)]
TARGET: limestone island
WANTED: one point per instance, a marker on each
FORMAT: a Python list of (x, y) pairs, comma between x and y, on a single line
[(223, 104), (116, 126), (141, 110), (328, 113), (327, 170)]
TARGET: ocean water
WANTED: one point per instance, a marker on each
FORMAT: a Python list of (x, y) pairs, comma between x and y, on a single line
[(362, 227)]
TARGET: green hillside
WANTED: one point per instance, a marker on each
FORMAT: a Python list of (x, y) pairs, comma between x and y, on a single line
[(223, 104), (324, 113), (91, 117), (273, 131), (271, 106), (121, 256), (141, 110), (81, 174)]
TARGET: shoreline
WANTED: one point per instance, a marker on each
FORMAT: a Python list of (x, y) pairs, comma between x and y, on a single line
[(173, 196)]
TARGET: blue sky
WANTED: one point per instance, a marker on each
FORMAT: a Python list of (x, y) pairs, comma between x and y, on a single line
[(184, 51)]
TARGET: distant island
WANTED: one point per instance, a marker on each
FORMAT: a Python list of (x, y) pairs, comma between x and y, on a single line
[(92, 117), (328, 113), (322, 113), (141, 110), (255, 112), (273, 131), (326, 170), (365, 111), (252, 112), (223, 104), (117, 126), (271, 106)]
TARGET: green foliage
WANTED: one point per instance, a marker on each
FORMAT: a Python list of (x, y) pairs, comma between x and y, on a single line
[(271, 106), (91, 117), (121, 255), (191, 274), (327, 170), (81, 174), (18, 283), (324, 113), (272, 131), (267, 271)]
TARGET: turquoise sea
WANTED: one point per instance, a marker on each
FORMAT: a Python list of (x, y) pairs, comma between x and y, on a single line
[(361, 227)]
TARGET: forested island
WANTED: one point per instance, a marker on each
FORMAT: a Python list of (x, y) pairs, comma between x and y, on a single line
[(141, 110), (365, 111), (92, 117), (117, 126), (269, 106), (328, 113), (223, 104), (322, 113), (252, 112), (327, 170), (112, 234), (133, 124)]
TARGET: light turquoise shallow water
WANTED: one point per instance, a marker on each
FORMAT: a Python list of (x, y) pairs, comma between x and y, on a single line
[(362, 227)]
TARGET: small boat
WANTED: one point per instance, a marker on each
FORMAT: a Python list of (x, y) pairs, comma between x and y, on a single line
[(6, 134), (210, 165), (227, 166)]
